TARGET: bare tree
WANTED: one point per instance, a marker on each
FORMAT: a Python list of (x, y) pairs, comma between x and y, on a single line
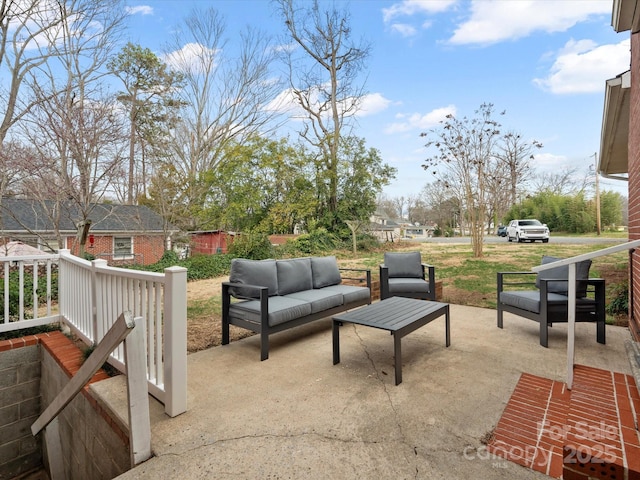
[(225, 99), (563, 182), (466, 149), (323, 74), (24, 26), (514, 156), (11, 170), (72, 123)]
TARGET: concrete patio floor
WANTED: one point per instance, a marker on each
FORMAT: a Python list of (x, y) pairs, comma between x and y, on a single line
[(296, 415)]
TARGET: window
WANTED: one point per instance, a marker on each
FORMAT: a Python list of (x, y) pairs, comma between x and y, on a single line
[(122, 247)]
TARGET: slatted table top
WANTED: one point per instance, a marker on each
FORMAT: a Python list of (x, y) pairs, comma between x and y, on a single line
[(393, 313)]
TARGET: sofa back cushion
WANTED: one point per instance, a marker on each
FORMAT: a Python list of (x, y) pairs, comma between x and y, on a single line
[(325, 271), (262, 273), (562, 273), (294, 275), (404, 265)]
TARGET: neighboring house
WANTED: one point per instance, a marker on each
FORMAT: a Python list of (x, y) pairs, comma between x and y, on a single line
[(117, 233), (210, 241), (383, 228), (620, 141)]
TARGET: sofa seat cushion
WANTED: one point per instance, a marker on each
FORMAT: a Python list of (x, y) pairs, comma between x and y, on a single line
[(325, 271), (294, 275), (529, 300), (281, 310), (350, 293), (408, 285), (319, 299)]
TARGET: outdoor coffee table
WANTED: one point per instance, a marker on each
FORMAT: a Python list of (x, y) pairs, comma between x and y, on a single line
[(397, 315)]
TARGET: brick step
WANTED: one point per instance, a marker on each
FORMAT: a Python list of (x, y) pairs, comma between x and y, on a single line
[(589, 432)]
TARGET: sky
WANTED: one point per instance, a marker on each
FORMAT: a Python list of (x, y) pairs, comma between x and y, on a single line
[(544, 62)]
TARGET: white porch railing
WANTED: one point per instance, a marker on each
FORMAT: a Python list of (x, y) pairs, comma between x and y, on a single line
[(28, 314), (571, 263), (91, 295)]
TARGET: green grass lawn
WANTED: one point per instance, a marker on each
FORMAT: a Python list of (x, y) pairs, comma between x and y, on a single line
[(472, 281)]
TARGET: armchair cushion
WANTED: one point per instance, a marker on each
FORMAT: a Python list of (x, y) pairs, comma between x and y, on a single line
[(404, 265), (562, 273), (253, 272), (325, 271), (408, 285), (529, 300)]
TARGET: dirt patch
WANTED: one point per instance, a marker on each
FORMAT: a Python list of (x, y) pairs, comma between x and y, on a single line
[(459, 296), (204, 325)]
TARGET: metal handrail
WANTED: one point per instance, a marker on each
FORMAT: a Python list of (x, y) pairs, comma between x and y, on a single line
[(571, 315)]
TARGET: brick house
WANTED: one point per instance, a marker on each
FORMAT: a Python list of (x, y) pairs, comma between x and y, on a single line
[(620, 141), (120, 234)]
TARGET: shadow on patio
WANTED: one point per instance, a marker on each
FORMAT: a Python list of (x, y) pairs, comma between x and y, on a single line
[(298, 416)]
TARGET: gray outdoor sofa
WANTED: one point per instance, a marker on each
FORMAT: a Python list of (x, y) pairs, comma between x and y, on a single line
[(269, 296)]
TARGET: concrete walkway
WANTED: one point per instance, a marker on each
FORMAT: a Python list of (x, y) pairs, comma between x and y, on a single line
[(296, 415)]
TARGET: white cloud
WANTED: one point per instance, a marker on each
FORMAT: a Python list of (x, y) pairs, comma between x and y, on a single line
[(582, 67), (417, 121), (139, 9), (412, 7), (287, 103), (500, 20), (189, 57), (371, 104), (404, 29)]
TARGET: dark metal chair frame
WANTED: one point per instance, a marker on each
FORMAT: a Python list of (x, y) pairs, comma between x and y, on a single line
[(427, 271), (588, 309)]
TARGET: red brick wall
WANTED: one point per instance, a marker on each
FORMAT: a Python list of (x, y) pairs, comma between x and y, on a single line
[(147, 249), (634, 179)]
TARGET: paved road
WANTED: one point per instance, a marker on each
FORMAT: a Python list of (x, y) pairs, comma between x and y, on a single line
[(559, 239)]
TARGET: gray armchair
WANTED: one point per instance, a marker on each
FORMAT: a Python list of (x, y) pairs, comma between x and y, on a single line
[(545, 300), (404, 275)]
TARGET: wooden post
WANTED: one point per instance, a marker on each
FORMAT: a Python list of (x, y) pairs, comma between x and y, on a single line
[(139, 423), (175, 341), (111, 340)]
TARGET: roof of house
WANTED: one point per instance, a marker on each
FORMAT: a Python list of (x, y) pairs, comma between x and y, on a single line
[(19, 249), (20, 215)]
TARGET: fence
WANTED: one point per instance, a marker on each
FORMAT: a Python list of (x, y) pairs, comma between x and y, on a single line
[(91, 296)]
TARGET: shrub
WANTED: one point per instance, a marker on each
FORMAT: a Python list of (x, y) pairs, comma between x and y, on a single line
[(253, 245), (367, 242), (14, 292), (620, 303), (319, 241), (207, 266)]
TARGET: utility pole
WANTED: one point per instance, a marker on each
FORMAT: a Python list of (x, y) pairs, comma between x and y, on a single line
[(598, 227)]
